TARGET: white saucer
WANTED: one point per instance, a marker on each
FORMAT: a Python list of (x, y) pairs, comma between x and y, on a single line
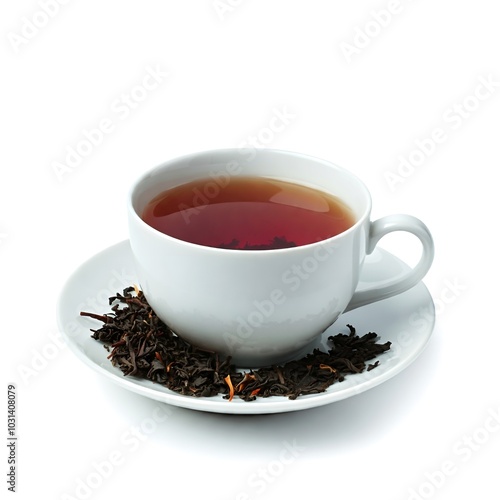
[(406, 320)]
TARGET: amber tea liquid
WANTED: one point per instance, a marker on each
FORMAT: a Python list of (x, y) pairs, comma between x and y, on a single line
[(249, 213)]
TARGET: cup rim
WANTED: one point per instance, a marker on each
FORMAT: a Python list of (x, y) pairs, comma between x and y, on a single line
[(133, 213)]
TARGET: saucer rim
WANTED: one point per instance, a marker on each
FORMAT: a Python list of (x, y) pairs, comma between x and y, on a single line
[(216, 404)]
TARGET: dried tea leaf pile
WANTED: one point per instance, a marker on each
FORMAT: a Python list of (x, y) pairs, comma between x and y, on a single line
[(141, 345)]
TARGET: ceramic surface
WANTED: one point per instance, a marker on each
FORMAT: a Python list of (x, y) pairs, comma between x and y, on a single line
[(407, 320)]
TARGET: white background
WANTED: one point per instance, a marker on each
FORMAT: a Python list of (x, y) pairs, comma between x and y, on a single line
[(359, 101)]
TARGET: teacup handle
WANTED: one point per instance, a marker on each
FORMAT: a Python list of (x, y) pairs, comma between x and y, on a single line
[(380, 228)]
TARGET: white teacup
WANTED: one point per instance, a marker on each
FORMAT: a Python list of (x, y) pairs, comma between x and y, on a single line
[(261, 307)]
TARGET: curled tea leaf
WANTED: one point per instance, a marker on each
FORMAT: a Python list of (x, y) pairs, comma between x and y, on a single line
[(141, 345)]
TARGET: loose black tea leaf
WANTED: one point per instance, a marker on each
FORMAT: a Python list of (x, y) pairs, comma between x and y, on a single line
[(141, 345), (276, 243)]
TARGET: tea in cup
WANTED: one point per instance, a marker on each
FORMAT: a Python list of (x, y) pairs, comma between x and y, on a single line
[(255, 253)]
